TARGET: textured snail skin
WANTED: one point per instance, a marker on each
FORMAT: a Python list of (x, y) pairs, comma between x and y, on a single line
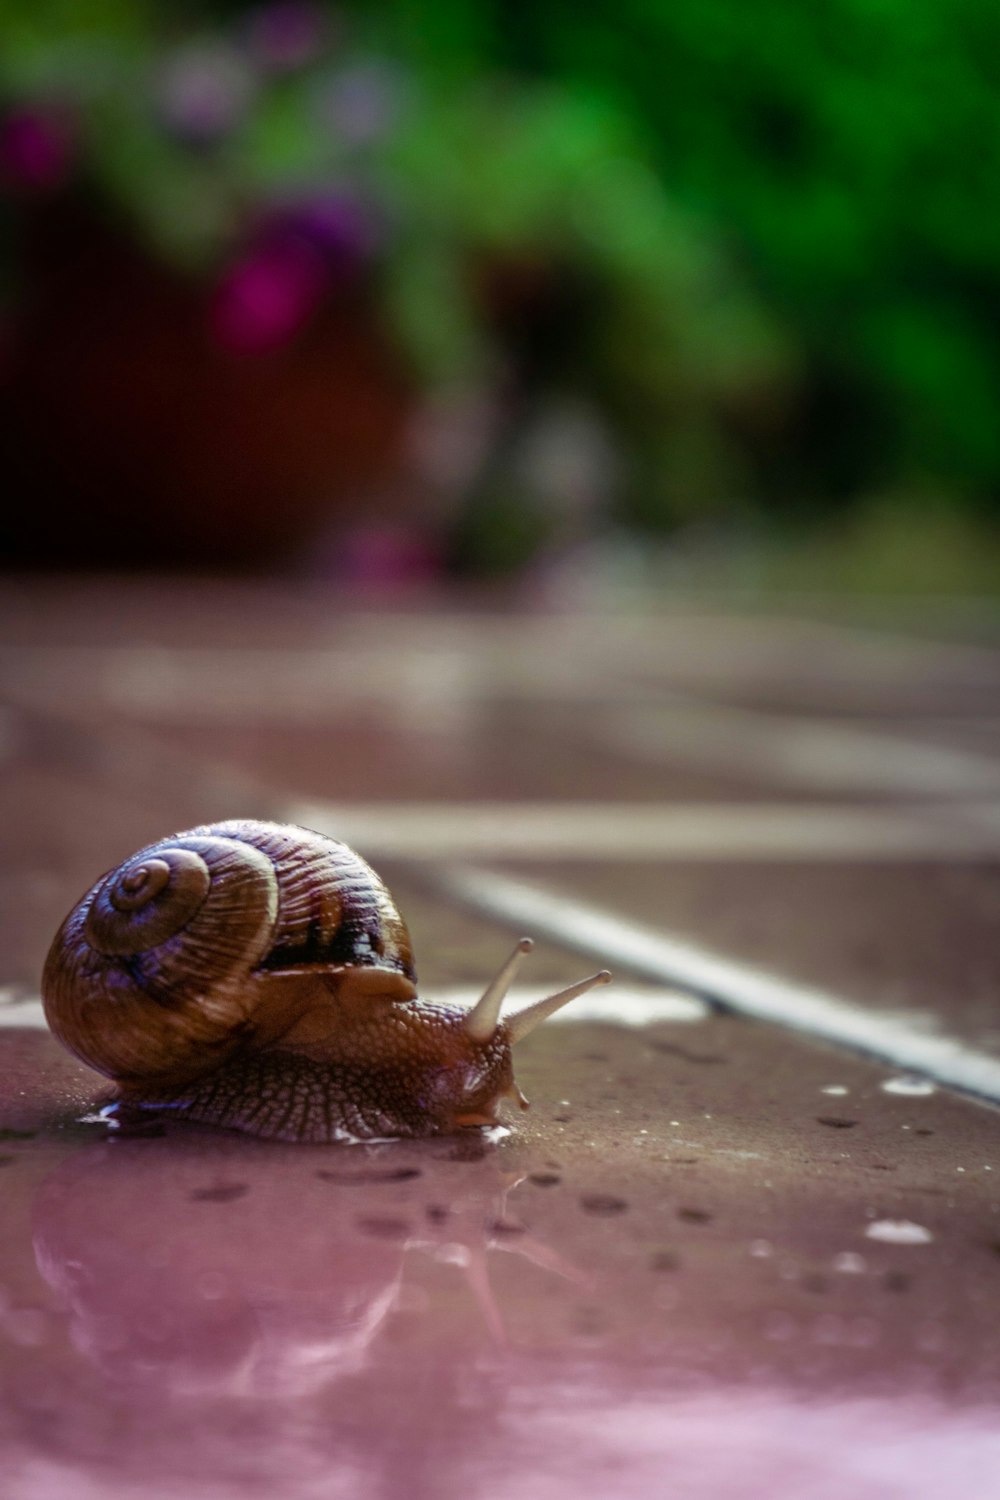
[(409, 1074), (258, 976)]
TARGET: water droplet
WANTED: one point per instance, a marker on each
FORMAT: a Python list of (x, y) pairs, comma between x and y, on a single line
[(835, 1088), (603, 1204), (223, 1192), (849, 1262), (909, 1085), (545, 1179), (898, 1232)]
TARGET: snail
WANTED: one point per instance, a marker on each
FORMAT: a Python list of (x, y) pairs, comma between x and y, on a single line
[(258, 976)]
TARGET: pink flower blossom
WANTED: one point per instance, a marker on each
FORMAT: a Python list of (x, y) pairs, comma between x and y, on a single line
[(36, 149), (267, 295)]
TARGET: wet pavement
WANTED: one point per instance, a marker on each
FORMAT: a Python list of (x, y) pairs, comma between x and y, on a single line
[(717, 1257)]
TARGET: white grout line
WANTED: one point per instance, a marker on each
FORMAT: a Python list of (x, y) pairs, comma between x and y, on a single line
[(22, 1014), (661, 831), (812, 752), (310, 684), (735, 648), (735, 987), (435, 681), (557, 656)]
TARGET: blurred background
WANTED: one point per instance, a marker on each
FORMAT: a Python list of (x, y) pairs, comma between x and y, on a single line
[(642, 292)]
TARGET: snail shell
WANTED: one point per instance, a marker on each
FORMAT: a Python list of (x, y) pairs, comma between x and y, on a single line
[(259, 976)]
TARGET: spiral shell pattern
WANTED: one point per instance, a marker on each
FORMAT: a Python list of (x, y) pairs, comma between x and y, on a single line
[(155, 976), (146, 901)]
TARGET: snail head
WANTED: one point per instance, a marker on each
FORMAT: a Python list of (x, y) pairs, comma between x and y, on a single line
[(489, 1038)]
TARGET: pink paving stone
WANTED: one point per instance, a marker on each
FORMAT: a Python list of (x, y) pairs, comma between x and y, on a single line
[(662, 1282)]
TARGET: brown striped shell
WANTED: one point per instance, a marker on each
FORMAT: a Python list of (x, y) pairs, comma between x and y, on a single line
[(207, 942)]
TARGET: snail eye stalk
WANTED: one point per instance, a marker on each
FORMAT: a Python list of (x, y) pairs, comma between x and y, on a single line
[(521, 1022), (484, 1017)]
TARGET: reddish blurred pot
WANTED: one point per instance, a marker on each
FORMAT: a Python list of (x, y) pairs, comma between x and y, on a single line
[(131, 436)]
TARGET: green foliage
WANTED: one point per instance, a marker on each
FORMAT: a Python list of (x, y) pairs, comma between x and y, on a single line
[(777, 220), (849, 148)]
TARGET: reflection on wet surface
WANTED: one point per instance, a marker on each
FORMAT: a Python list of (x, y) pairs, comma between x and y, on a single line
[(191, 1264), (587, 1305)]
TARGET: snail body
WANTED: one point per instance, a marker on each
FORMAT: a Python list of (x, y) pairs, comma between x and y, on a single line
[(258, 976)]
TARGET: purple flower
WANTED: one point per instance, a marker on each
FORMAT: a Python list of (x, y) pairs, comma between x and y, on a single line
[(267, 295), (335, 222), (36, 149)]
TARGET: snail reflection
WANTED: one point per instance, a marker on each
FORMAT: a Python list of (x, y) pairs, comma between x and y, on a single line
[(230, 1269), (259, 976)]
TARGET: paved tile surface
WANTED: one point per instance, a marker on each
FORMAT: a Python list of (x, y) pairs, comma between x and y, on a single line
[(715, 1258)]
